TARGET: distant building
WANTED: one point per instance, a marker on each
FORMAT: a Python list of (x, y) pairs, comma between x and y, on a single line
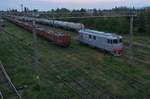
[(90, 11)]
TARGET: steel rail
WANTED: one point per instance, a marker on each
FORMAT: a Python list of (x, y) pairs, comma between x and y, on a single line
[(1, 95), (9, 80)]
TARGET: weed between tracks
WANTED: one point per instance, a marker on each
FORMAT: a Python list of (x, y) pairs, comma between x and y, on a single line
[(70, 72)]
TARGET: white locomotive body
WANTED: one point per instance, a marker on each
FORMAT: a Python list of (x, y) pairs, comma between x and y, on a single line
[(105, 41)]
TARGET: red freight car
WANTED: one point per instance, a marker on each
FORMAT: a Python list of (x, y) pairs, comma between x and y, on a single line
[(60, 39)]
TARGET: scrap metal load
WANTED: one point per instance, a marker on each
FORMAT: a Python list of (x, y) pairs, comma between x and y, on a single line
[(56, 23), (60, 39)]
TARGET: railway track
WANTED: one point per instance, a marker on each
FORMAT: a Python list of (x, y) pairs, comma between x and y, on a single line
[(72, 83), (82, 86), (8, 90), (140, 55), (77, 84), (86, 89), (133, 82), (140, 50), (21, 40)]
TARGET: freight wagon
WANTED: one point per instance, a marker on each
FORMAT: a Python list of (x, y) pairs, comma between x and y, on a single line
[(105, 41), (63, 24), (61, 39)]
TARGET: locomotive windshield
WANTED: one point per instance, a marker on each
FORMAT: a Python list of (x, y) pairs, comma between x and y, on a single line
[(115, 41), (120, 40)]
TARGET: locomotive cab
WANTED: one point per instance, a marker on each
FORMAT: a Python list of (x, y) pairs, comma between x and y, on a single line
[(117, 46)]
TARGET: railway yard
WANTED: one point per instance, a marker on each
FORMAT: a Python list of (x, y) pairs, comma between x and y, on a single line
[(76, 72)]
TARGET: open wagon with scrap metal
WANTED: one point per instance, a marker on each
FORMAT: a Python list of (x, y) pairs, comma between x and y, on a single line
[(61, 39)]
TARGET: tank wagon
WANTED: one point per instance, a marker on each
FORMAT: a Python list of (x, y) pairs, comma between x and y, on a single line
[(56, 23), (60, 39), (105, 41)]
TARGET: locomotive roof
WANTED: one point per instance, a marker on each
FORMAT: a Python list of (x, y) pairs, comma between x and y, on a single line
[(100, 34)]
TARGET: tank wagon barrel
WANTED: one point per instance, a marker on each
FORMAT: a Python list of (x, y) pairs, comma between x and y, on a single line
[(63, 24), (61, 39)]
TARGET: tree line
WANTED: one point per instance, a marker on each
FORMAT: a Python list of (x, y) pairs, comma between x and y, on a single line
[(107, 24), (115, 24)]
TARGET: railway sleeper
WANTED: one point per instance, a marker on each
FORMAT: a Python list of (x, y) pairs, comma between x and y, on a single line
[(78, 86), (78, 90)]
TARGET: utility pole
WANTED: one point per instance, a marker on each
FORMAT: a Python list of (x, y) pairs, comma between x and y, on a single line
[(1, 24), (53, 19), (21, 7), (35, 56), (131, 41)]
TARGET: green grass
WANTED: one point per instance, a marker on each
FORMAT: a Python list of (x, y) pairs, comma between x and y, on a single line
[(77, 61)]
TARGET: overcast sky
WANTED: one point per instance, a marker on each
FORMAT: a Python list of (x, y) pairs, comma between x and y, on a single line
[(71, 4)]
